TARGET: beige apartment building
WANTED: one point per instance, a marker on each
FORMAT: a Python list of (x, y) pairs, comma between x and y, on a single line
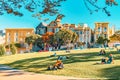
[(103, 28), (17, 34)]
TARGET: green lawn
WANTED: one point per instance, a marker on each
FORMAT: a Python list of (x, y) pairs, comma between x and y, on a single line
[(80, 64)]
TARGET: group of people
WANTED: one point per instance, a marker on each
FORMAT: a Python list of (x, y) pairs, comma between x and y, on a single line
[(107, 60)]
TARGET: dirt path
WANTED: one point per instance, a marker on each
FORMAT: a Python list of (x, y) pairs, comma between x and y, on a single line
[(7, 73)]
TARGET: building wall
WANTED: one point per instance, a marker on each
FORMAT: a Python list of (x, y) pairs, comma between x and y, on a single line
[(101, 28), (2, 39), (17, 34), (84, 34)]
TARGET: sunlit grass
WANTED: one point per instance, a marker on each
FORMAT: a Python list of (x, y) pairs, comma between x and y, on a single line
[(80, 64)]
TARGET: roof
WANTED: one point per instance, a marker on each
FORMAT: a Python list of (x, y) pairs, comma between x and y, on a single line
[(18, 28), (101, 22), (42, 25)]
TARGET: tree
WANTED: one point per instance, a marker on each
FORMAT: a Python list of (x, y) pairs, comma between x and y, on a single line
[(64, 36), (116, 36), (13, 49), (94, 3), (45, 6), (2, 50), (102, 41), (32, 39), (46, 37)]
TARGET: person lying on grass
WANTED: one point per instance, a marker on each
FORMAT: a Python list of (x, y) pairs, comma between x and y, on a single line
[(62, 57), (57, 65)]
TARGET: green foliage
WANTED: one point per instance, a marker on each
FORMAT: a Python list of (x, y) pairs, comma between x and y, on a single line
[(65, 35), (31, 39), (51, 39), (16, 45), (2, 50), (102, 40), (13, 49)]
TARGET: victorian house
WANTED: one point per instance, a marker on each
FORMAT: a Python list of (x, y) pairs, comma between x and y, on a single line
[(41, 29), (55, 25)]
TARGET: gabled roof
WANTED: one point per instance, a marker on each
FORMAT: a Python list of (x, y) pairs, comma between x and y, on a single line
[(42, 25)]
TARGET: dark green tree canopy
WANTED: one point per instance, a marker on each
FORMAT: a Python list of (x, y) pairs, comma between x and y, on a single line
[(102, 40), (31, 39), (65, 35)]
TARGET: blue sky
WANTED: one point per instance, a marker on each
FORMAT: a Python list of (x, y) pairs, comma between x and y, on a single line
[(75, 12)]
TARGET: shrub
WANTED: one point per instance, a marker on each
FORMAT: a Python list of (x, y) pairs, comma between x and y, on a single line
[(18, 45), (2, 50), (13, 49)]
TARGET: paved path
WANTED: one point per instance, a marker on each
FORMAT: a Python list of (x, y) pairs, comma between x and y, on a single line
[(7, 73)]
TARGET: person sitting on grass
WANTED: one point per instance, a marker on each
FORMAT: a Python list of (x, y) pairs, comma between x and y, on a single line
[(103, 60), (110, 59), (102, 52), (58, 65), (107, 60)]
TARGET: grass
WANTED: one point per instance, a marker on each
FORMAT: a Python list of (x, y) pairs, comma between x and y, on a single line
[(80, 64)]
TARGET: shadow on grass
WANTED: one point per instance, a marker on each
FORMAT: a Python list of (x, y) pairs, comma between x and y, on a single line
[(39, 64), (111, 73)]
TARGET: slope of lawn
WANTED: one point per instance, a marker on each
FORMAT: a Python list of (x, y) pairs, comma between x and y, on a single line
[(81, 63)]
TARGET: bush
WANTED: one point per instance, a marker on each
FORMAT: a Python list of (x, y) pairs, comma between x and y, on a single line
[(13, 49), (2, 50), (18, 45)]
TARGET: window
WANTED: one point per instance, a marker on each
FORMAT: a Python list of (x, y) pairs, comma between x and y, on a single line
[(50, 30), (56, 30), (16, 36), (105, 29), (42, 31), (98, 29), (8, 37)]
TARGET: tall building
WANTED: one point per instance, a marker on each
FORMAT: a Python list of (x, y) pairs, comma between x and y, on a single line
[(17, 34), (101, 29)]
